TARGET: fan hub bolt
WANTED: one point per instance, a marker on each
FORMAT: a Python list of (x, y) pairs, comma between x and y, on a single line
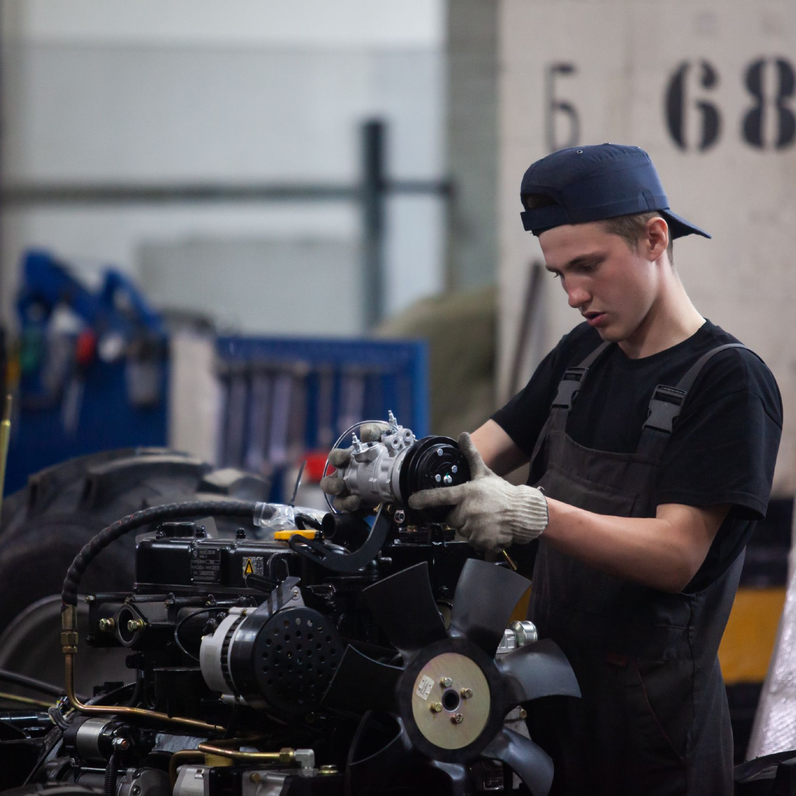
[(106, 625), (446, 682), (457, 718), (134, 625), (466, 693), (435, 707)]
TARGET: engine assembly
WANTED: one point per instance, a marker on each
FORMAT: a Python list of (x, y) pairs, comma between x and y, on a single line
[(339, 657)]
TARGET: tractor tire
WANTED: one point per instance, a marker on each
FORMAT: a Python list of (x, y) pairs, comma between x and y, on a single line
[(61, 509)]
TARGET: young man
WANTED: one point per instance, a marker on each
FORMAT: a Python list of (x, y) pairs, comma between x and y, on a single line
[(652, 447)]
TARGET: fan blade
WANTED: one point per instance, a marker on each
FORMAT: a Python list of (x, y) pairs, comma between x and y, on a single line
[(537, 670), (458, 775), (371, 774), (486, 594), (404, 608), (361, 684), (531, 763)]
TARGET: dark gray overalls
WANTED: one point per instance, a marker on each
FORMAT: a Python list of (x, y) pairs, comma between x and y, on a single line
[(653, 720)]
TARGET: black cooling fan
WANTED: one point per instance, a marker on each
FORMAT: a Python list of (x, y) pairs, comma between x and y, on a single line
[(450, 698)]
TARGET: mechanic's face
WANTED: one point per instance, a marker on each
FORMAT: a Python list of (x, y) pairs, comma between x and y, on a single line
[(613, 287)]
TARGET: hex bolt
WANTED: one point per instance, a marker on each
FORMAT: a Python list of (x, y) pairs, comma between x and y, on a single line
[(439, 451), (295, 593), (400, 516), (437, 477), (135, 625), (454, 469), (523, 713), (435, 707), (255, 777), (121, 744), (448, 480), (466, 693), (446, 682), (106, 625), (135, 790), (457, 718)]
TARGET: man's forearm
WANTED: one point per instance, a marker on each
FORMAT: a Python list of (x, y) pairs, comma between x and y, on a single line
[(663, 552)]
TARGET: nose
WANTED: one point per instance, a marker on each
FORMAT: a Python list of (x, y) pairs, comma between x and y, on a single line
[(577, 295)]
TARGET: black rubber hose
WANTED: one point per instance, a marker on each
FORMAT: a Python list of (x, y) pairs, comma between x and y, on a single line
[(194, 508), (29, 682)]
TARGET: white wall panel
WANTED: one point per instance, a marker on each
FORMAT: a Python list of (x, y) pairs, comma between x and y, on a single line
[(343, 23), (741, 186)]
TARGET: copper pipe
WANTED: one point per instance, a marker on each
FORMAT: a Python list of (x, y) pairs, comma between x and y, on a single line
[(285, 756), (104, 710), (26, 700), (175, 762), (509, 560)]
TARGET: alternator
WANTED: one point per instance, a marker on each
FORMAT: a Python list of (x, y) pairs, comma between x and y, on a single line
[(280, 656)]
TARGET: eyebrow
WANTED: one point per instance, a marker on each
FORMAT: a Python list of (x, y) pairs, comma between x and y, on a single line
[(583, 259)]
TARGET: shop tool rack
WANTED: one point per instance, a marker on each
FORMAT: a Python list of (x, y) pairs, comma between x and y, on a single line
[(286, 398)]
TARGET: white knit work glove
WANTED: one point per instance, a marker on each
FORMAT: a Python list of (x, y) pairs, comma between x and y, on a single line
[(489, 512), (341, 457)]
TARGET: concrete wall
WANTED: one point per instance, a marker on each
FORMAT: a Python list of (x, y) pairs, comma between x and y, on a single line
[(472, 136), (707, 89), (141, 91)]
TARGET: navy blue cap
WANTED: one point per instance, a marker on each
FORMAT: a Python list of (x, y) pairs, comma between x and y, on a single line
[(592, 183)]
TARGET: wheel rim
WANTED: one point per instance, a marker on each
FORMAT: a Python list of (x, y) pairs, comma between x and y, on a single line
[(31, 645)]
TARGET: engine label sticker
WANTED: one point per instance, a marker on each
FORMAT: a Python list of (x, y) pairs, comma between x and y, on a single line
[(424, 687), (206, 564), (252, 566)]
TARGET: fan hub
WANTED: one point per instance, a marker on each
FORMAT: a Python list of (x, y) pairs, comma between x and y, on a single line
[(451, 700)]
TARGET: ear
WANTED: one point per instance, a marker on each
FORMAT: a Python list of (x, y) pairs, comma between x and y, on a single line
[(657, 238)]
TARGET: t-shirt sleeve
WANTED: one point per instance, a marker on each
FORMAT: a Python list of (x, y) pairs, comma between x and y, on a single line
[(523, 417), (724, 447)]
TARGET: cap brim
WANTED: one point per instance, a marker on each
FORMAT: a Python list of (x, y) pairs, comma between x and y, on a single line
[(678, 226)]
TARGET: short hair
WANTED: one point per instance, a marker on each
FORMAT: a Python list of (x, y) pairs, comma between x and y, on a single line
[(631, 228)]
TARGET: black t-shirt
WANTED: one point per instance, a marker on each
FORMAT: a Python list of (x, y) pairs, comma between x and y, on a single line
[(723, 448)]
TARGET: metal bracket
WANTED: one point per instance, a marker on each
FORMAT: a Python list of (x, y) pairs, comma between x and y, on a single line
[(345, 562)]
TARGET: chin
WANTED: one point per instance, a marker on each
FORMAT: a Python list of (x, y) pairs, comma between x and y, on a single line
[(608, 333)]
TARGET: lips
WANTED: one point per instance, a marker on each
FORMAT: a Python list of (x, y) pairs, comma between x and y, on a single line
[(594, 318)]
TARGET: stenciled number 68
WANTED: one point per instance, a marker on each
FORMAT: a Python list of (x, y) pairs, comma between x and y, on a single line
[(770, 123)]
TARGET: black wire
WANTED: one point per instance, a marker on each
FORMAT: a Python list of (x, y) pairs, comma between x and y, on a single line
[(109, 696), (111, 771), (58, 718), (29, 682), (139, 684), (184, 620)]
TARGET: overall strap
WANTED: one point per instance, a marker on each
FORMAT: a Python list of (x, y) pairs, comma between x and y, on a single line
[(568, 389), (667, 403)]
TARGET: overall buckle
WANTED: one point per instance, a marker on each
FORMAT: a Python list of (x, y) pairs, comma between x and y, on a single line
[(569, 387), (664, 408)]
